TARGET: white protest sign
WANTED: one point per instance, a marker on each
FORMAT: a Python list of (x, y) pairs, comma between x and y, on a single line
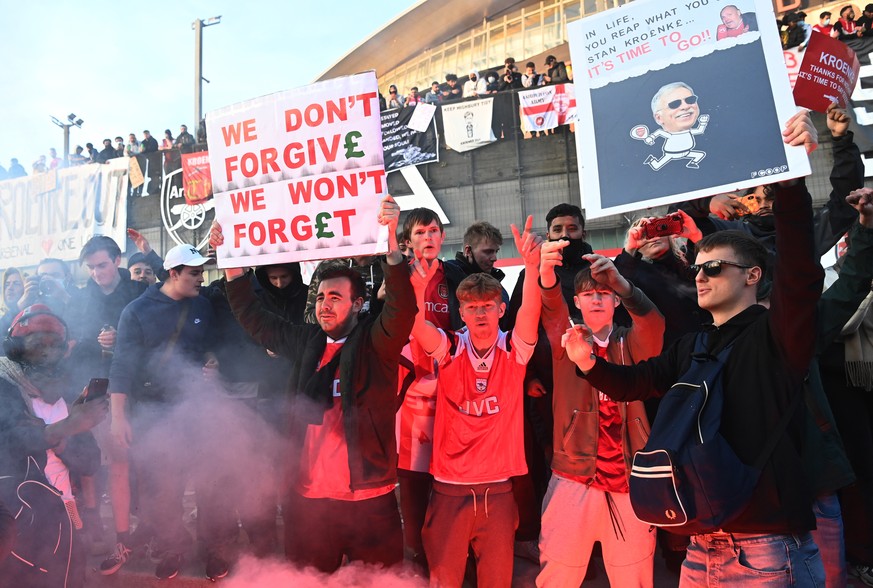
[(421, 117), (298, 175), (679, 100)]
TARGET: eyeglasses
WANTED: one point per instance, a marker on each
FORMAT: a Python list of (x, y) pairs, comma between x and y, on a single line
[(392, 91), (689, 100), (712, 267)]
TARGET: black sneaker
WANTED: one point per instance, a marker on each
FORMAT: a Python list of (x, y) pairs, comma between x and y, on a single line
[(114, 562), (216, 567), (169, 566), (863, 573)]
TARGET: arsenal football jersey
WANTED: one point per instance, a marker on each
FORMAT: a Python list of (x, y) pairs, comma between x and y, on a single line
[(418, 385), (479, 428)]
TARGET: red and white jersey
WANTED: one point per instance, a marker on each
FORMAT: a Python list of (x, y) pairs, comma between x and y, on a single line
[(415, 419), (479, 426), (418, 385)]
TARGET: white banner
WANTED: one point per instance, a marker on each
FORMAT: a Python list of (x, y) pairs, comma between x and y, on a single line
[(42, 218), (298, 175), (547, 107), (664, 115), (468, 124)]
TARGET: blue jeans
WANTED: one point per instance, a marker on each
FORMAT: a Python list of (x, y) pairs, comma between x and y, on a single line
[(739, 559), (829, 538)]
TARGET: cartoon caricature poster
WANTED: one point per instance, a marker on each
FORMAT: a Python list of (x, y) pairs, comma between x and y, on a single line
[(679, 101)]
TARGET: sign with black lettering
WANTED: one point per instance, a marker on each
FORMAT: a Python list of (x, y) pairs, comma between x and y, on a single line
[(679, 100)]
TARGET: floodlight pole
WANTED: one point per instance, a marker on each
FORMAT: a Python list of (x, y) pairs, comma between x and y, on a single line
[(198, 26), (74, 122)]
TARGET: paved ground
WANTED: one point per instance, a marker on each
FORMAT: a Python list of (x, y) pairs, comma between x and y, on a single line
[(250, 573)]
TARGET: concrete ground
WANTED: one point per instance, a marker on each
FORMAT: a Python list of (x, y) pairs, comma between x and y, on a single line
[(250, 573)]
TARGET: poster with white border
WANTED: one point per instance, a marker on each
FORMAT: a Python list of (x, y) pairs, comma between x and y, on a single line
[(299, 175), (677, 101)]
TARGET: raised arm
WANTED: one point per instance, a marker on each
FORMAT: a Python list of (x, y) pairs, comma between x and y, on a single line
[(395, 321), (841, 300), (528, 245), (555, 314), (836, 216), (423, 331)]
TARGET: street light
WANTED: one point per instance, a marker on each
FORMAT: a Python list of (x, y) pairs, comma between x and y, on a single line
[(74, 122), (198, 25)]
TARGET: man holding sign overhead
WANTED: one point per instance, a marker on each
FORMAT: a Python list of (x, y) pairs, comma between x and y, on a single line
[(341, 462)]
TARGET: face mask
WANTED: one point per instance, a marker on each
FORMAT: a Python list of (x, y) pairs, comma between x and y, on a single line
[(827, 22), (575, 250)]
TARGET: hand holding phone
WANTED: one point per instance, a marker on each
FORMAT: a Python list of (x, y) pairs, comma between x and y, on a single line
[(96, 389)]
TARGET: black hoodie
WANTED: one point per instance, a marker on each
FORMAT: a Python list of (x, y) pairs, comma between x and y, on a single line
[(288, 302)]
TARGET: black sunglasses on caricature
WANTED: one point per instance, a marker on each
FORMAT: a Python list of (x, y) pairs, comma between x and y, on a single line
[(712, 267), (689, 100)]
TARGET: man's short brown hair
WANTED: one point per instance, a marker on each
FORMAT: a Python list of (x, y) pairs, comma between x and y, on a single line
[(477, 287), (419, 216), (482, 231)]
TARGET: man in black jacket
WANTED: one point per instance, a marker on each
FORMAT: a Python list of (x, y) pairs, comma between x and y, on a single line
[(339, 495), (149, 143), (93, 315), (763, 375)]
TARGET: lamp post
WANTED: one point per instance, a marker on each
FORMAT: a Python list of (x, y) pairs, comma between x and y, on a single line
[(73, 122), (198, 26)]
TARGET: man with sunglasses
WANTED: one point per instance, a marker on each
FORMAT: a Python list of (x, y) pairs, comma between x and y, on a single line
[(770, 540), (675, 108)]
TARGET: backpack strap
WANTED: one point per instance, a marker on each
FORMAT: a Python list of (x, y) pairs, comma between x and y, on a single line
[(701, 354)]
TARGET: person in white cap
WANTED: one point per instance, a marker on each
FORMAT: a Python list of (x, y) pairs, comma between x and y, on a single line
[(162, 357)]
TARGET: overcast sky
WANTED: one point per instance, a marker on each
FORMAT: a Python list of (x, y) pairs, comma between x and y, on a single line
[(128, 66)]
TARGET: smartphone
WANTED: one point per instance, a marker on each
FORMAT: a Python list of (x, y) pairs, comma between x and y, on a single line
[(663, 226), (97, 388)]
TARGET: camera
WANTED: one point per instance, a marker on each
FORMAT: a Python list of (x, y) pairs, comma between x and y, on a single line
[(662, 226)]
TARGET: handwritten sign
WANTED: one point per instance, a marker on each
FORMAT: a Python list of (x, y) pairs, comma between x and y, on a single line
[(677, 101), (828, 73), (298, 175)]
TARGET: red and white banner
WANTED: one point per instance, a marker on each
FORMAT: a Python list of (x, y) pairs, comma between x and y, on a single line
[(196, 179), (299, 175), (547, 107)]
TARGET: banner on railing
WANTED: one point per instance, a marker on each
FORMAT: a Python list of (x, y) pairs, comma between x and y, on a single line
[(468, 124), (547, 107), (41, 219), (403, 145)]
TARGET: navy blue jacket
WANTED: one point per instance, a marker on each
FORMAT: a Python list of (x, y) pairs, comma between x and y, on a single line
[(144, 331)]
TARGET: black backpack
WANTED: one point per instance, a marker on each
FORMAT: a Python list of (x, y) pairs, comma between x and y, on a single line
[(687, 478)]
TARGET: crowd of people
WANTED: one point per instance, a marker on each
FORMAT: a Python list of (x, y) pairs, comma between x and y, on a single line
[(796, 32), (477, 85), (408, 408), (111, 150)]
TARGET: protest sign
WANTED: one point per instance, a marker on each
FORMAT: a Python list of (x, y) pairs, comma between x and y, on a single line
[(421, 117), (196, 179), (404, 146), (547, 107), (298, 175), (467, 125), (137, 178), (85, 200), (828, 73), (677, 101)]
